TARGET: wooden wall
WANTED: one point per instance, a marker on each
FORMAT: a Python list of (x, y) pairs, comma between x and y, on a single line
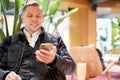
[(82, 23)]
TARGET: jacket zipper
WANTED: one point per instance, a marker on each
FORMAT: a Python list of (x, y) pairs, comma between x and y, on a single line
[(18, 67)]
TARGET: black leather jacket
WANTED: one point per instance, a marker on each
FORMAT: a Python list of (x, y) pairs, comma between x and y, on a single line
[(12, 52)]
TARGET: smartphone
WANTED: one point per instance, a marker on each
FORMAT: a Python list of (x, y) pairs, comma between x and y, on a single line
[(46, 46)]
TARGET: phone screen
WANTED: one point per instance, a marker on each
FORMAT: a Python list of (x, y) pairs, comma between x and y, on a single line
[(46, 46)]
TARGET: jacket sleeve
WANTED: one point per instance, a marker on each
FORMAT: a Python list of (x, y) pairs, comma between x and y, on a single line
[(3, 50), (63, 61)]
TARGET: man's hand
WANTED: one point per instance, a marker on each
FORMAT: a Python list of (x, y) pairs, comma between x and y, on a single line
[(45, 55), (12, 76)]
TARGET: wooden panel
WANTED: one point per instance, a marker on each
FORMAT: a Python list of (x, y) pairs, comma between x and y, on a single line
[(79, 25), (92, 15), (79, 28), (80, 2), (115, 10)]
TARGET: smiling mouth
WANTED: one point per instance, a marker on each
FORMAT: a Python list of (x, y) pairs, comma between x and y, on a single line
[(33, 24)]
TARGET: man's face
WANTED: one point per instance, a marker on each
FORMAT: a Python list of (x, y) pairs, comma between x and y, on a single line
[(32, 18)]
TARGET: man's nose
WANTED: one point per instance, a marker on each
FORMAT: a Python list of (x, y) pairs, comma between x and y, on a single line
[(34, 19)]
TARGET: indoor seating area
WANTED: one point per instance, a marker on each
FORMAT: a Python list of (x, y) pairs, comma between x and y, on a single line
[(91, 35)]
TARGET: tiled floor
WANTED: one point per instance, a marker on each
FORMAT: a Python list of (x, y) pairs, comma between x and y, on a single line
[(114, 57)]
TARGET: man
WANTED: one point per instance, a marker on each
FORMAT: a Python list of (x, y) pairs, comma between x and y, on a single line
[(22, 59)]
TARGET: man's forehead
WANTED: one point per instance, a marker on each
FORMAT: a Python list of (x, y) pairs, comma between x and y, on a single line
[(29, 12), (33, 9), (31, 4)]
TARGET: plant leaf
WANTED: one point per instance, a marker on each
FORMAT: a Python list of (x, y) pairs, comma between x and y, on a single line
[(18, 26), (6, 4), (118, 20), (54, 7), (70, 11), (45, 5), (2, 36), (18, 4), (64, 16), (4, 9)]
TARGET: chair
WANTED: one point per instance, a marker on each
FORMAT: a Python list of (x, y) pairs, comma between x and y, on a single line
[(88, 63)]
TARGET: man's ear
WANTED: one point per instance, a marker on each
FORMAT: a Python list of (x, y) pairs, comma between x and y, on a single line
[(42, 19), (22, 18)]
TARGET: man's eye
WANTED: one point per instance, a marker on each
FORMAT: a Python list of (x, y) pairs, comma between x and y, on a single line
[(29, 15), (38, 16)]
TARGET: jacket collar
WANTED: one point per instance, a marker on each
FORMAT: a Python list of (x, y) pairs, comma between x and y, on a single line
[(22, 35)]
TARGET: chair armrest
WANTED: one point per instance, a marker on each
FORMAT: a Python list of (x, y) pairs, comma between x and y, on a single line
[(109, 65)]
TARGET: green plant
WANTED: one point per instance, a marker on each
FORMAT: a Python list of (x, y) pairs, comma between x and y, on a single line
[(115, 31), (49, 9), (17, 22)]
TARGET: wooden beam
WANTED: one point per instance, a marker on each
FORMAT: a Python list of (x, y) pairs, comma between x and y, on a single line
[(80, 2), (110, 3), (74, 3)]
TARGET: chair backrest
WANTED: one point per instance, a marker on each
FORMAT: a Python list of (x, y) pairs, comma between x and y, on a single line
[(88, 55)]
